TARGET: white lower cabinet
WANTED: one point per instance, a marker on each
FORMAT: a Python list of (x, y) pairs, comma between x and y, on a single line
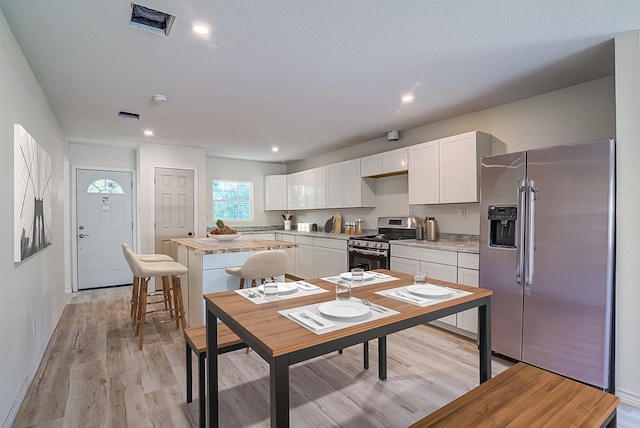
[(443, 265), (468, 320), (330, 257), (290, 251), (304, 257)]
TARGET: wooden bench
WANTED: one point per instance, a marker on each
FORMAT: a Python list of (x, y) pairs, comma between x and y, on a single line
[(525, 396), (196, 341)]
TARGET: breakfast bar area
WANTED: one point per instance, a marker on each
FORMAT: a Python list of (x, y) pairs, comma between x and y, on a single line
[(207, 259)]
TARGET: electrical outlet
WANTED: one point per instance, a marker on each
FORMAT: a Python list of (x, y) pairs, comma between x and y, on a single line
[(462, 212), (33, 328)]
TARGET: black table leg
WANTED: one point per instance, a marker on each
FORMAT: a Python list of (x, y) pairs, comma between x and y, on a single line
[(365, 354), (484, 338), (382, 357), (212, 369), (279, 380), (201, 392), (189, 374)]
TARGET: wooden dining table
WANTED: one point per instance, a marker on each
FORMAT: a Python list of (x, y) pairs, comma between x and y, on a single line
[(282, 342)]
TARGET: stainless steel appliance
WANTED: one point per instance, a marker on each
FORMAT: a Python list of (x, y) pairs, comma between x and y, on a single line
[(372, 251), (547, 251)]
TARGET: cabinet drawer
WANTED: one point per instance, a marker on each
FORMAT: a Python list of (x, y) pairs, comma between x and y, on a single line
[(305, 240), (425, 254), (285, 237), (339, 244), (468, 260)]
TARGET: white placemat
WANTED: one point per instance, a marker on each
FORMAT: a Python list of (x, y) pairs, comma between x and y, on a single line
[(376, 278), (305, 316), (404, 295), (256, 296)]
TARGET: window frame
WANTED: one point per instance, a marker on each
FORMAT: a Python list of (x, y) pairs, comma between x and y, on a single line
[(250, 201)]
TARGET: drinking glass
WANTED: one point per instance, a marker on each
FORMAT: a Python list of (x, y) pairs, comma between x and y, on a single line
[(420, 278), (343, 290), (270, 289), (357, 276)]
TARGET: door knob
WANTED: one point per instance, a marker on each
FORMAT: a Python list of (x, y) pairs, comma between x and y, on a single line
[(82, 235), (190, 234), (81, 227)]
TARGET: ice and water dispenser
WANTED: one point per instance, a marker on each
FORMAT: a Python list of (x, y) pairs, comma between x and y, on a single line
[(502, 226)]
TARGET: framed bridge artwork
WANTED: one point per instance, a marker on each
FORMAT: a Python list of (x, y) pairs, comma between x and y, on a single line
[(32, 195)]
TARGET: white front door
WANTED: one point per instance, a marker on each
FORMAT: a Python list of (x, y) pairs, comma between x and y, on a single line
[(104, 220), (173, 207)]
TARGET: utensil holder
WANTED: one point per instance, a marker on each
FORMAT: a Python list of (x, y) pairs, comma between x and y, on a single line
[(287, 225)]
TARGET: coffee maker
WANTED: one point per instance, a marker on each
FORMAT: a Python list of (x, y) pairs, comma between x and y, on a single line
[(502, 226)]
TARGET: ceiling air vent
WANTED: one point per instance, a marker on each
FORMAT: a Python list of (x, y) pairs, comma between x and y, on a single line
[(127, 115), (153, 21)]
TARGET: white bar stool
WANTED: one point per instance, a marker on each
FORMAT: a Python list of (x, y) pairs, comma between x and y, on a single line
[(165, 269), (261, 265), (128, 252)]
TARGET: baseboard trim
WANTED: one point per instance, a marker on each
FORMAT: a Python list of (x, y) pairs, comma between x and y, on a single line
[(629, 398), (22, 393)]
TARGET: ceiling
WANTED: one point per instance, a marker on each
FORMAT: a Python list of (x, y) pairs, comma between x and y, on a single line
[(308, 76)]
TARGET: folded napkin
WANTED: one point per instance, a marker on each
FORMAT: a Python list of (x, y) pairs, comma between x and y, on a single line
[(379, 275), (407, 297), (306, 286), (311, 320)]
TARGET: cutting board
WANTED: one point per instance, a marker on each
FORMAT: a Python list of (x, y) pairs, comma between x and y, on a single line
[(328, 226)]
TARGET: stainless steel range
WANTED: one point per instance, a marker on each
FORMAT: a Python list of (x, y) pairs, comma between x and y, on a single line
[(372, 251)]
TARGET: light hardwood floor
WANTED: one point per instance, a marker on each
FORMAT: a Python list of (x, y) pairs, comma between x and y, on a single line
[(93, 375)]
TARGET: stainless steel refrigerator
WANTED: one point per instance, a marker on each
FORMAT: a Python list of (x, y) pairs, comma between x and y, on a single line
[(547, 251)]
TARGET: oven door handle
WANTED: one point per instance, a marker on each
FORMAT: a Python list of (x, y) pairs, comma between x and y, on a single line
[(367, 252)]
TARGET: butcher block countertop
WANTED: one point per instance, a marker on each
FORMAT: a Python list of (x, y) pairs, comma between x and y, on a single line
[(241, 244)]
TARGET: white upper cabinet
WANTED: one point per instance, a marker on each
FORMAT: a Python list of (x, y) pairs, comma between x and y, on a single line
[(321, 187), (356, 191), (310, 185), (424, 175), (295, 191), (447, 171), (346, 188), (371, 165), (386, 163), (334, 185), (275, 192), (460, 166), (394, 161)]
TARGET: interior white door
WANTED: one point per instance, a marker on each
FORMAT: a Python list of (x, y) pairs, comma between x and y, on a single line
[(173, 207), (104, 220)]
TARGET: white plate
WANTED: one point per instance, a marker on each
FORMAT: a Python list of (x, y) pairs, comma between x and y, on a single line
[(429, 290), (283, 287), (343, 309), (365, 276), (226, 237)]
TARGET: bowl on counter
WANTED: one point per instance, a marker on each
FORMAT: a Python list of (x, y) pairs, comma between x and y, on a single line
[(226, 237)]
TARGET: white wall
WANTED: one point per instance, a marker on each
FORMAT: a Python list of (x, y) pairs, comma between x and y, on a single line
[(245, 171), (627, 219), (32, 291), (578, 113), (101, 157)]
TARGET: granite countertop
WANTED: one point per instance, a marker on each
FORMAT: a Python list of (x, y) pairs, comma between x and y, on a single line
[(330, 235), (242, 243), (459, 246)]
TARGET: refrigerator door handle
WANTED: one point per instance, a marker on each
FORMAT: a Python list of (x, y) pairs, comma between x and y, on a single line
[(531, 219), (520, 253)]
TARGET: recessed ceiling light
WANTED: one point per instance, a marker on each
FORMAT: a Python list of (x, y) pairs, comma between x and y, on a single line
[(148, 132), (407, 98), (200, 29), (275, 149)]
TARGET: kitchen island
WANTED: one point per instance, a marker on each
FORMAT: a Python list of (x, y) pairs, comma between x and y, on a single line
[(207, 259)]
